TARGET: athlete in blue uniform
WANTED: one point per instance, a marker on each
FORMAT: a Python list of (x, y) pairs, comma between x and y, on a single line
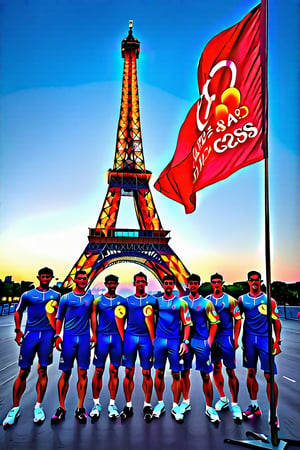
[(224, 345), (108, 314), (74, 312), (41, 304), (172, 312), (205, 322), (139, 336), (255, 340)]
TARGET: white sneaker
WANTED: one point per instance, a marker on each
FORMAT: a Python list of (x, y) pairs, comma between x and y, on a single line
[(212, 415), (113, 413), (95, 411), (39, 415), (159, 410), (237, 413), (184, 407), (220, 405), (11, 418), (176, 414)]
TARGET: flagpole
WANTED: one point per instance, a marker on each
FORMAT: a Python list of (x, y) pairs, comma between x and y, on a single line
[(262, 441), (271, 442), (264, 55)]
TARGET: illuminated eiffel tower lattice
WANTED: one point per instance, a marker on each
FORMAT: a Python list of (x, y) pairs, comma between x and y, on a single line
[(147, 246)]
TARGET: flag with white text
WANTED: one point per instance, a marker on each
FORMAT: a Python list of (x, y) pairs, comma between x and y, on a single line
[(225, 129)]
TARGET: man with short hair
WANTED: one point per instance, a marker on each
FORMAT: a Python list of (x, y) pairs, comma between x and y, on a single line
[(108, 314), (225, 345), (172, 312), (41, 304), (255, 340), (74, 313), (139, 336), (205, 322)]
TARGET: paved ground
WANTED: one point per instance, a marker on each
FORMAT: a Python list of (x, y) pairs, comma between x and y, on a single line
[(164, 433)]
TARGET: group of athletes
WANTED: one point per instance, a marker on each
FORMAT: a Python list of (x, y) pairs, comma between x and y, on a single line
[(158, 329)]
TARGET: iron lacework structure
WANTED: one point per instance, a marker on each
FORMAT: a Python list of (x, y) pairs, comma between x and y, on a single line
[(147, 246)]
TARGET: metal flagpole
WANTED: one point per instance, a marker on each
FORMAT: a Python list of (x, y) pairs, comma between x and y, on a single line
[(264, 54), (261, 440)]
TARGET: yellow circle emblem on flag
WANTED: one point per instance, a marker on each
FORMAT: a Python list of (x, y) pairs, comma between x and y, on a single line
[(51, 306), (148, 310), (262, 308), (120, 311)]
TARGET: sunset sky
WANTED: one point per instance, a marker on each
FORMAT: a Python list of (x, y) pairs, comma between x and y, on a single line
[(61, 77)]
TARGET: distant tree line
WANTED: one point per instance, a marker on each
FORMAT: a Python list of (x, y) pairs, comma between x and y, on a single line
[(284, 293), (13, 290)]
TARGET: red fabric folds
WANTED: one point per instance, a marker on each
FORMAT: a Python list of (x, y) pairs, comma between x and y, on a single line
[(225, 129)]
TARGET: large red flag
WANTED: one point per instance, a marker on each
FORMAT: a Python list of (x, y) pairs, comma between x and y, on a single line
[(225, 129)]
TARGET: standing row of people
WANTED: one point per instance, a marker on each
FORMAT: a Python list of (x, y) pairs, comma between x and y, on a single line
[(156, 329)]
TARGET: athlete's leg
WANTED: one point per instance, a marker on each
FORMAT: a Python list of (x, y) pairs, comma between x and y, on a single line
[(97, 382), (223, 402), (128, 383), (28, 351), (63, 386), (145, 349), (20, 385), (159, 383), (185, 384), (252, 384), (113, 381), (128, 386), (207, 388), (176, 389), (233, 384), (147, 384), (81, 386), (42, 382), (176, 386), (41, 386), (208, 393), (218, 378), (268, 378)]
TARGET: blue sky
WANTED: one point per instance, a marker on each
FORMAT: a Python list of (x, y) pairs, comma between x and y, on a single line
[(61, 77)]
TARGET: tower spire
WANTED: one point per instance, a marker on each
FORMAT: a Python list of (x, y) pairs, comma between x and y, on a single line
[(130, 42), (129, 147)]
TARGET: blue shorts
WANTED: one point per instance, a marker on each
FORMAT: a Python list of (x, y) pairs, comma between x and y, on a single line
[(201, 349), (108, 344), (75, 347), (256, 347), (141, 344), (167, 348), (40, 342), (223, 349)]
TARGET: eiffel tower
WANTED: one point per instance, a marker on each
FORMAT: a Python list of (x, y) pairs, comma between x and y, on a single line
[(147, 246)]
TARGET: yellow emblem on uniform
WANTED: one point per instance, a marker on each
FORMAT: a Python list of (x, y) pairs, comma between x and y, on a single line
[(51, 306), (120, 311), (262, 308), (148, 310)]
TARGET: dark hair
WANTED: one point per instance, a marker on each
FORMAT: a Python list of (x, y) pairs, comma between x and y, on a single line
[(194, 277), (216, 275), (79, 272), (111, 278), (253, 272), (45, 271), (141, 275), (168, 277)]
